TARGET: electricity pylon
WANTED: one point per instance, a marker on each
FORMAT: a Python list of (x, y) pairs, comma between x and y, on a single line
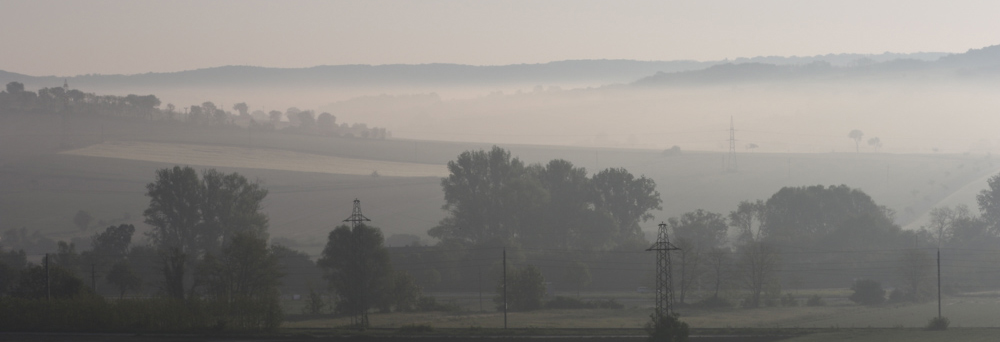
[(356, 217), (664, 284)]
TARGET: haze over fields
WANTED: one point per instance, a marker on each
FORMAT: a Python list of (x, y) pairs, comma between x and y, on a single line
[(932, 114), (808, 160)]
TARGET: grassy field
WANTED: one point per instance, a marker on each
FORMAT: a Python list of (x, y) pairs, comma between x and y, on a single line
[(839, 313), (908, 335)]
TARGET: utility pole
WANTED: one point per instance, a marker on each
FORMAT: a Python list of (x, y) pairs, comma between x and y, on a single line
[(505, 287), (664, 283), (939, 281), (48, 291), (480, 289)]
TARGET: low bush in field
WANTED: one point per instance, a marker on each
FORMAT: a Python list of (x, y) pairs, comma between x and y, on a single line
[(815, 300), (667, 328), (560, 302), (789, 300), (938, 323), (426, 303), (714, 302), (867, 292)]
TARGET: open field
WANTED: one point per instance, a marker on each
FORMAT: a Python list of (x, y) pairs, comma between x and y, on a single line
[(255, 158), (908, 335), (964, 312)]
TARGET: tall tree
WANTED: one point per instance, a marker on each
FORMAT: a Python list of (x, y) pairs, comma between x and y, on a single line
[(748, 219), (275, 116), (566, 220), (243, 109), (856, 135), (192, 216), (875, 142), (15, 88), (326, 122), (627, 199), (231, 205), (488, 196), (245, 277), (174, 212), (989, 204), (758, 263), (696, 233), (357, 266)]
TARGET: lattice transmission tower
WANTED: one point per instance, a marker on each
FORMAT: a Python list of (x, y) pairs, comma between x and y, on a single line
[(356, 217), (664, 283), (731, 159)]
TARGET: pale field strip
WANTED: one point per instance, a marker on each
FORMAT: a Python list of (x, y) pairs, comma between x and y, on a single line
[(254, 158)]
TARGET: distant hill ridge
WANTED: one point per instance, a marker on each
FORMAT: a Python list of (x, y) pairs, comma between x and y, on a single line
[(976, 64), (560, 72)]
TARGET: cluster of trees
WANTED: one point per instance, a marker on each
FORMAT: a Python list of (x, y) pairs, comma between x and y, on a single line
[(308, 122), (857, 135), (208, 244), (358, 268), (16, 99), (494, 200), (763, 245), (62, 100), (208, 241)]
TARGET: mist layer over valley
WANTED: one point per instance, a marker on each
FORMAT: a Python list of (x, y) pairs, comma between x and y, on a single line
[(871, 152)]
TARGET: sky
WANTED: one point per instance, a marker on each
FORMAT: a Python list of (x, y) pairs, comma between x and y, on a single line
[(67, 38)]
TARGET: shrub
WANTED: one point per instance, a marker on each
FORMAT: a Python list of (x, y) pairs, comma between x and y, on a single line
[(815, 300), (789, 300), (560, 302), (867, 292), (525, 289), (714, 302), (425, 304), (606, 304), (666, 328), (938, 323)]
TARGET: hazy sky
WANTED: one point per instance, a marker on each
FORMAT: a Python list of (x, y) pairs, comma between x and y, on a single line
[(79, 37)]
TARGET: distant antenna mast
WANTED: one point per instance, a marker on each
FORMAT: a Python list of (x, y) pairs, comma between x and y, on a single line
[(356, 217), (731, 161)]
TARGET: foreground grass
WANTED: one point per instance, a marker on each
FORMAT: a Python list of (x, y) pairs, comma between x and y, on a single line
[(963, 312), (909, 335)]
